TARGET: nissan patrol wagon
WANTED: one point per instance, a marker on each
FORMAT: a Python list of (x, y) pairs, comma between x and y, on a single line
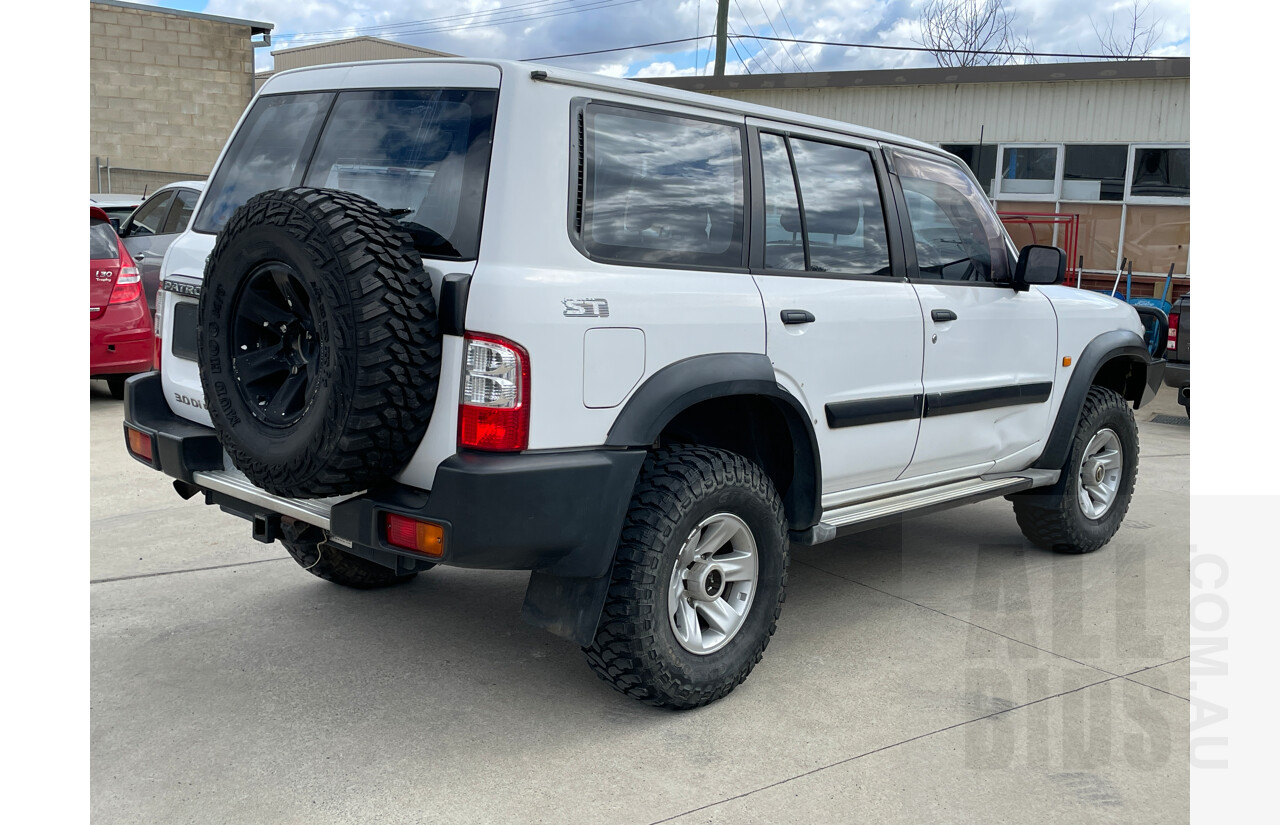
[(636, 341)]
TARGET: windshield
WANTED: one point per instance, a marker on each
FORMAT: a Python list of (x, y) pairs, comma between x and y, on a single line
[(421, 153)]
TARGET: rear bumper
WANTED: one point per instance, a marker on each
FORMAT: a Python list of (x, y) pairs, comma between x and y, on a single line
[(120, 341), (1177, 375), (559, 513)]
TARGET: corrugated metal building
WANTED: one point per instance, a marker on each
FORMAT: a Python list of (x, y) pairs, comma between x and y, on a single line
[(343, 51), (165, 89), (1108, 141)]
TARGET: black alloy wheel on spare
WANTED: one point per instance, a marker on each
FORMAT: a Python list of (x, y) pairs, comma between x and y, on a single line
[(318, 343)]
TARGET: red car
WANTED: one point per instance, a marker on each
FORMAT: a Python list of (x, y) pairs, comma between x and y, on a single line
[(121, 340)]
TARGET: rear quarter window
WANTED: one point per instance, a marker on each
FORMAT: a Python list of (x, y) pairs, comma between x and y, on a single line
[(661, 189)]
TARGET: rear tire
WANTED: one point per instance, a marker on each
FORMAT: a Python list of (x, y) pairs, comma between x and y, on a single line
[(698, 581), (1084, 509), (340, 567)]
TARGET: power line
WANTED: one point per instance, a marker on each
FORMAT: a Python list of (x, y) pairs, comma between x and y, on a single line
[(740, 60), (758, 43), (387, 26), (491, 20), (842, 45), (792, 33), (774, 29)]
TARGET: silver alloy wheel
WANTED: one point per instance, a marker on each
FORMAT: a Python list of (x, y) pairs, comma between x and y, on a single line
[(1100, 471), (713, 583)]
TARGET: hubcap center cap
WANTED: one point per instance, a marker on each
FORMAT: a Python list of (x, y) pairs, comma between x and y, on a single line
[(705, 582), (1098, 473)]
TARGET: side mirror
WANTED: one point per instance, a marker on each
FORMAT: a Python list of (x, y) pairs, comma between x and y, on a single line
[(1040, 265)]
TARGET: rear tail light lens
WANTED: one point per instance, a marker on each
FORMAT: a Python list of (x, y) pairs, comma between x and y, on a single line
[(419, 536), (1173, 330), (139, 445), (128, 286), (494, 414)]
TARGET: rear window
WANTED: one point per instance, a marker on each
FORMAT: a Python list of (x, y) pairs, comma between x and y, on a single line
[(422, 153), (102, 240), (661, 189)]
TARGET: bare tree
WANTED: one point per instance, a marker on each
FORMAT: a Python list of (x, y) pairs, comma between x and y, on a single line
[(1132, 35), (956, 32)]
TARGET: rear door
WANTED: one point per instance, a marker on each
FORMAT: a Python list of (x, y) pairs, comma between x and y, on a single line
[(843, 325), (989, 350), (144, 236)]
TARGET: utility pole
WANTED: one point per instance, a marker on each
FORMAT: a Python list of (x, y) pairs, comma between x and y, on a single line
[(722, 32)]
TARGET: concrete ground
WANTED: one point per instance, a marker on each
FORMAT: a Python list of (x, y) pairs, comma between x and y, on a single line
[(943, 671)]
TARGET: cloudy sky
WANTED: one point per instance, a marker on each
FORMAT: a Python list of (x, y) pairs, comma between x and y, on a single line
[(528, 29)]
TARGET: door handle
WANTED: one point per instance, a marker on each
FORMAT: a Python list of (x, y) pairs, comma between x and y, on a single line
[(941, 315), (797, 316)]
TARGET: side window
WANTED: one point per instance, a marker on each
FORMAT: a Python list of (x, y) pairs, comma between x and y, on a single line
[(835, 222), (843, 219), (661, 189), (149, 217), (957, 238), (180, 215), (783, 244)]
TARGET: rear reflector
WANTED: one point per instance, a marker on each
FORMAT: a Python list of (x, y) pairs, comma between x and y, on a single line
[(139, 444), (419, 536)]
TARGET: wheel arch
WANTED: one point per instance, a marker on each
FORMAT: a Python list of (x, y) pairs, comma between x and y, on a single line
[(1118, 360), (731, 401)]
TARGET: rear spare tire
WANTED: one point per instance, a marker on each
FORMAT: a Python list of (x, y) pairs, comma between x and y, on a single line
[(318, 343)]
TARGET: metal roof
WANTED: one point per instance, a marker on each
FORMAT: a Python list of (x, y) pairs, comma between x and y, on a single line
[(363, 39), (1170, 67), (257, 26)]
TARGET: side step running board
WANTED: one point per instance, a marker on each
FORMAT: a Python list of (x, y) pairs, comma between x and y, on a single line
[(868, 515)]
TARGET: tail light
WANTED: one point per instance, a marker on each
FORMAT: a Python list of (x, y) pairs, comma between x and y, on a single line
[(1173, 331), (128, 286), (411, 534), (494, 413)]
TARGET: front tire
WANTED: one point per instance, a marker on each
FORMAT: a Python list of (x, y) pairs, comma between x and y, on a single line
[(698, 581), (1084, 509)]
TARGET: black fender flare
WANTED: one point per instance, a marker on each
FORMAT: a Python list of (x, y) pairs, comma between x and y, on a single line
[(677, 387), (1109, 346)]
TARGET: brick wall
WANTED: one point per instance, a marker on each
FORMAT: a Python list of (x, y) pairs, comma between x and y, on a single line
[(165, 92)]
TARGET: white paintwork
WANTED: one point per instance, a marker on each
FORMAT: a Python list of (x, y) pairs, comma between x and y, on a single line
[(871, 339), (866, 342), (612, 363), (1000, 337)]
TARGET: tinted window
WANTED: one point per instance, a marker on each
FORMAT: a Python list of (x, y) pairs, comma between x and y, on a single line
[(102, 241), (1092, 173), (1162, 173), (149, 217), (180, 215), (422, 152), (1029, 170), (662, 189), (266, 153), (956, 235), (783, 246), (980, 158), (843, 220)]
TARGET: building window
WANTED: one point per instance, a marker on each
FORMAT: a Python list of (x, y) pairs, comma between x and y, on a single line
[(981, 160), (1094, 172), (1029, 170), (1160, 172)]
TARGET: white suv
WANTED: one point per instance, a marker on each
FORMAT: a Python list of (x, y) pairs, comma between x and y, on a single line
[(634, 340)]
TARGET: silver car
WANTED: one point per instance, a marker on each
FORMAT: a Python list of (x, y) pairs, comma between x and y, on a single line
[(154, 225)]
